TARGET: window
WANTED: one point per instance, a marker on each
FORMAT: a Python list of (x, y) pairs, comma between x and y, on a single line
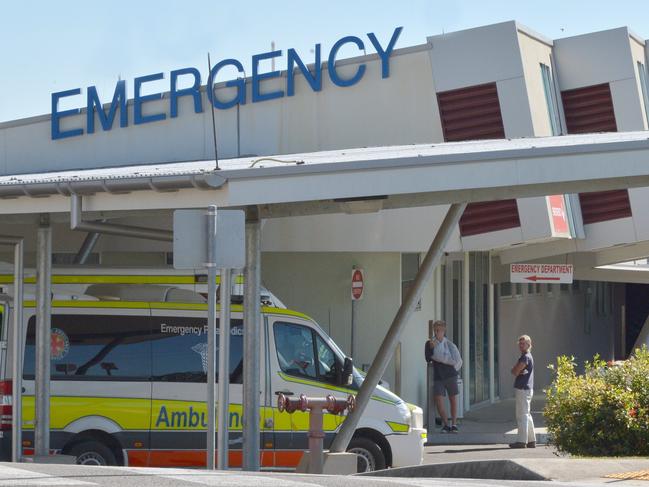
[(644, 85), (328, 365), (550, 99), (296, 352), (295, 349), (94, 347), (505, 289), (180, 353)]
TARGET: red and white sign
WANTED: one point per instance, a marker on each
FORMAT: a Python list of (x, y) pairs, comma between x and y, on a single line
[(357, 284), (548, 273), (558, 216)]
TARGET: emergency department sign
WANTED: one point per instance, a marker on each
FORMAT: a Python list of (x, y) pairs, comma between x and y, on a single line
[(549, 273)]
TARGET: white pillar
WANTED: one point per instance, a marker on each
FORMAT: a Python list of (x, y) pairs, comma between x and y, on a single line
[(492, 343), (466, 330)]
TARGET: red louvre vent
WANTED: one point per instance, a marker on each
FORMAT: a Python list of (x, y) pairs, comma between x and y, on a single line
[(489, 217), (589, 109), (471, 113), (604, 205)]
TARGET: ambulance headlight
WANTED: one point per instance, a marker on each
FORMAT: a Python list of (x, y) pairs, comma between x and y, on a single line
[(416, 416)]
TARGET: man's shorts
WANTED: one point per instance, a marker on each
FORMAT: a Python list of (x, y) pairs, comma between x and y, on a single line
[(441, 387)]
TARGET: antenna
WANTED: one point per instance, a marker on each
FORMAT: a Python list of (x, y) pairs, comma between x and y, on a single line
[(211, 87)]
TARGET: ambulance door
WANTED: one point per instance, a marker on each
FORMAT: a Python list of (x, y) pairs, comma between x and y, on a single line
[(179, 412), (301, 362), (100, 379)]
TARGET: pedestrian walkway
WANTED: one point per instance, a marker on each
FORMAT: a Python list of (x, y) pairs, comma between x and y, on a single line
[(491, 424)]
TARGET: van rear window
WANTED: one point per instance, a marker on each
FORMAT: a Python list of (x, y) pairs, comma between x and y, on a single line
[(118, 347), (95, 347)]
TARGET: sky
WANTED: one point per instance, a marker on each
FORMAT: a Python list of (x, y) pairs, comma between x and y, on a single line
[(51, 46)]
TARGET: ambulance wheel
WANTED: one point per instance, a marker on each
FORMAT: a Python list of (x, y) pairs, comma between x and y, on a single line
[(93, 453), (370, 456)]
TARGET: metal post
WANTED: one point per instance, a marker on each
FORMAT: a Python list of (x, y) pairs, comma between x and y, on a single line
[(466, 330), (391, 339), (492, 330), (211, 335), (17, 352), (353, 328), (86, 248), (251, 343), (43, 332), (16, 345), (316, 440), (430, 381), (224, 369)]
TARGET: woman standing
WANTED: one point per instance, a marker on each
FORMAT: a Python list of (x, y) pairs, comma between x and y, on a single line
[(446, 364), (523, 372)]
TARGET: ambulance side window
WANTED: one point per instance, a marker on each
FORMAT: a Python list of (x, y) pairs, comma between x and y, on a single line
[(295, 350), (95, 347), (328, 365), (180, 353)]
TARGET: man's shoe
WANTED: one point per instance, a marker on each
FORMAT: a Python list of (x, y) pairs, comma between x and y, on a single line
[(531, 444), (518, 444), (445, 429), (454, 429)]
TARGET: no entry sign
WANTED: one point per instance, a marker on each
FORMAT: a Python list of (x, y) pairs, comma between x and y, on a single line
[(550, 273), (357, 284)]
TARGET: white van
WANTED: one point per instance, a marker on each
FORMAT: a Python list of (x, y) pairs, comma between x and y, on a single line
[(128, 384)]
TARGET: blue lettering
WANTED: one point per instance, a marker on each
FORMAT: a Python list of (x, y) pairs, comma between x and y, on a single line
[(139, 100), (162, 417), (235, 420), (331, 64), (239, 83), (257, 78), (194, 90), (58, 115), (119, 97), (194, 418), (385, 54), (314, 80)]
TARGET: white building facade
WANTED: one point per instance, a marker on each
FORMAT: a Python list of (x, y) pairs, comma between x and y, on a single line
[(496, 81)]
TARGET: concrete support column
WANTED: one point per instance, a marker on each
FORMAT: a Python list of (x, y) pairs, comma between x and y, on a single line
[(492, 330), (251, 341), (466, 331), (43, 332)]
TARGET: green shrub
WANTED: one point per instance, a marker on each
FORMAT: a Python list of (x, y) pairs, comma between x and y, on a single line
[(605, 411)]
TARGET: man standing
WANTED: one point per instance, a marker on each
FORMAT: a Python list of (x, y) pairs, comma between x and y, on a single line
[(523, 372), (446, 364)]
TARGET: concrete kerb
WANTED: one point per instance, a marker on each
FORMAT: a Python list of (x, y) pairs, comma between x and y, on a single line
[(482, 469), (558, 469)]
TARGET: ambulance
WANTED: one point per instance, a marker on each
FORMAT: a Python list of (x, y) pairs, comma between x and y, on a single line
[(128, 380)]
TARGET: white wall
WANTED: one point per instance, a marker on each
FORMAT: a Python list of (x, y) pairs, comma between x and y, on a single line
[(604, 57), (475, 56), (533, 53), (592, 59), (405, 230), (638, 55), (318, 284), (556, 325), (400, 109)]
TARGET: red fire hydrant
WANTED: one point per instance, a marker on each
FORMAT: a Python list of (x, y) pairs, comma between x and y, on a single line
[(315, 405)]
